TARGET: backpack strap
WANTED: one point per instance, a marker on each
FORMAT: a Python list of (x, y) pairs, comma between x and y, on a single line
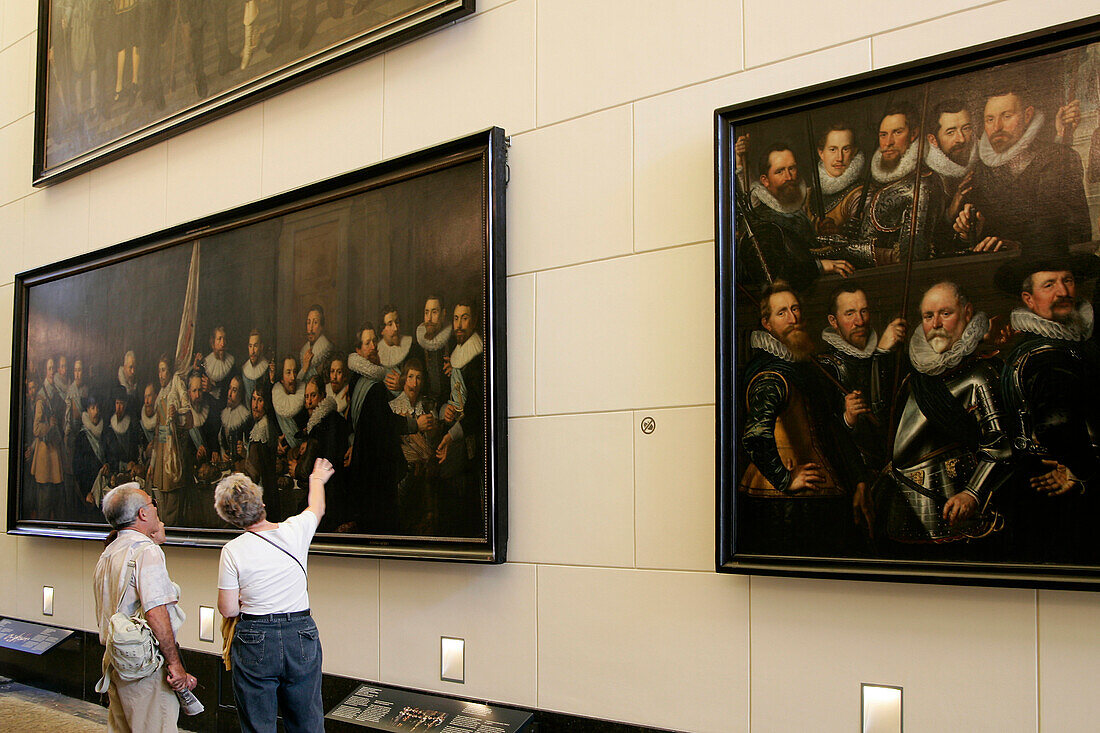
[(124, 581)]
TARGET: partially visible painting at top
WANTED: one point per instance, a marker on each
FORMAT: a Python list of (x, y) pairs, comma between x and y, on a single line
[(114, 75)]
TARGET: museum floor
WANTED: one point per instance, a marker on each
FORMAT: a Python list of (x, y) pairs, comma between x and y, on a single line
[(27, 710)]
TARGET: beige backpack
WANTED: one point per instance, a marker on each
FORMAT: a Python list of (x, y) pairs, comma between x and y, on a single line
[(132, 649)]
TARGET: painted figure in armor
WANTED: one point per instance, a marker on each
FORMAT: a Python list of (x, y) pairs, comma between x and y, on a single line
[(783, 238), (888, 221), (864, 363), (1053, 403), (951, 451), (804, 489), (840, 173)]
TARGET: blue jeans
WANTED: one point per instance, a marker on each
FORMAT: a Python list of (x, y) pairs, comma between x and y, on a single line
[(277, 668)]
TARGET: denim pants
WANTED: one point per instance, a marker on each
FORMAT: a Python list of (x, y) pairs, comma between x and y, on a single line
[(277, 668)]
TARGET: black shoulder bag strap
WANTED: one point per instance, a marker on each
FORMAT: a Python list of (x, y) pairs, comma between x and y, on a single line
[(284, 550)]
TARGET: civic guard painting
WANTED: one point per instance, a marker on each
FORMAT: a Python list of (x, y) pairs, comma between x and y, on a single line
[(359, 319), (909, 375), (117, 75)]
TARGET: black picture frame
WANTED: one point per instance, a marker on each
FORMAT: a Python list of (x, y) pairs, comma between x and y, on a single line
[(92, 108), (389, 237), (784, 115)]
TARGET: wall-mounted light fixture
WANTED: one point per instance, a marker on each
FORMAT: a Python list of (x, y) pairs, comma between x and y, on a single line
[(47, 600), (881, 708), (206, 623), (452, 666)]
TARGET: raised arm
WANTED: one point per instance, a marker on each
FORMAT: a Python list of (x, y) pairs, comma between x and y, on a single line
[(322, 472)]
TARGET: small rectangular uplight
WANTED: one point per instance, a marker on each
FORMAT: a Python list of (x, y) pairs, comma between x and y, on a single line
[(452, 666), (881, 708), (206, 623), (47, 600)]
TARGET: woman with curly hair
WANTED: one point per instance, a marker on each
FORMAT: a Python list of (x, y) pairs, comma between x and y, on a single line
[(276, 650)]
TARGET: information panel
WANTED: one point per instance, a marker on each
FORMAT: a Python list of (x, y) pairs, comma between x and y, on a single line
[(27, 637), (387, 709)]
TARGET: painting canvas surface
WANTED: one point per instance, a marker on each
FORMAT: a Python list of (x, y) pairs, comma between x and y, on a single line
[(910, 349)]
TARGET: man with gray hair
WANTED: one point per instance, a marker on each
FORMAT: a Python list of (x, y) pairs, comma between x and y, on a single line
[(131, 577)]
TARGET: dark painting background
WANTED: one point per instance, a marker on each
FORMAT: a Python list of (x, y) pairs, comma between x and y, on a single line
[(391, 245)]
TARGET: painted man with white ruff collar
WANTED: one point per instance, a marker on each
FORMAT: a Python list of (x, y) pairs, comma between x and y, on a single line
[(317, 346), (261, 450), (367, 365), (784, 232), (254, 369), (326, 435), (888, 222), (1023, 178), (218, 366), (395, 348), (840, 172), (337, 386), (121, 439), (127, 378), (865, 365), (61, 377), (76, 395), (235, 423), (288, 403), (90, 461), (951, 152), (951, 447), (804, 491), (202, 441), (1050, 381), (147, 420), (433, 336), (463, 418)]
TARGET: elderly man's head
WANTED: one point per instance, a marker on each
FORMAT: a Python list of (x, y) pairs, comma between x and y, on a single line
[(127, 506), (1051, 295), (945, 313)]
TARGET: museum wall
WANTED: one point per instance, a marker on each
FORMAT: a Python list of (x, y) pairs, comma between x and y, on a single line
[(608, 606)]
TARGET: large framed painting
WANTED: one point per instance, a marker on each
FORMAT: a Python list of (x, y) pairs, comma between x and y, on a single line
[(906, 274), (360, 319), (114, 76)]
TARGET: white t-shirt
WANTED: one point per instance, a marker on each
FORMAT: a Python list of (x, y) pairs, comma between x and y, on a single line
[(269, 581), (148, 587)]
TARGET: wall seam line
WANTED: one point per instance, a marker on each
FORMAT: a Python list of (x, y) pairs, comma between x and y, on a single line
[(535, 342), (538, 689), (536, 64), (1038, 669), (871, 36), (611, 258), (382, 112), (748, 654), (378, 601), (633, 180), (23, 37), (634, 484), (610, 411)]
